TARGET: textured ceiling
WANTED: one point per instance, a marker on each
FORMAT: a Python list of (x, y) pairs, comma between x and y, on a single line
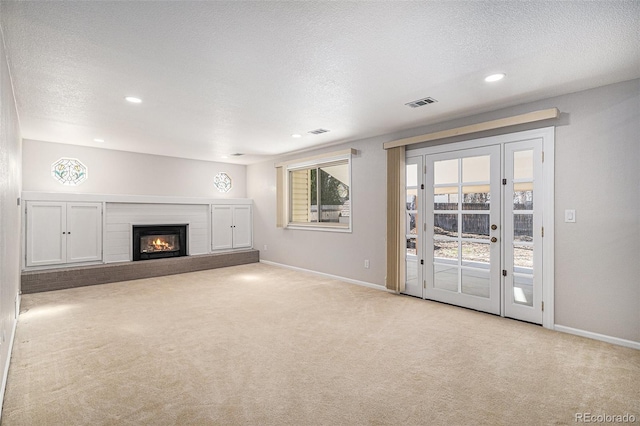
[(223, 77)]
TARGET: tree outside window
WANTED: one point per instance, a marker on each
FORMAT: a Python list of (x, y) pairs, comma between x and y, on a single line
[(320, 194)]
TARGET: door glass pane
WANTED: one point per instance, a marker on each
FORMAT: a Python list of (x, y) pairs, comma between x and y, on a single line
[(445, 224), (476, 254), (476, 197), (445, 172), (522, 198), (523, 227), (445, 277), (412, 272), (523, 289), (412, 220), (523, 164), (445, 249), (412, 175), (412, 199), (411, 247), (476, 169), (475, 226), (523, 258), (445, 198), (476, 283)]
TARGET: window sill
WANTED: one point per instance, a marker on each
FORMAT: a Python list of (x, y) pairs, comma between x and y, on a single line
[(315, 227)]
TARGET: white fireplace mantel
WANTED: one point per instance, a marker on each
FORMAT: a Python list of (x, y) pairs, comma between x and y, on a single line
[(137, 199)]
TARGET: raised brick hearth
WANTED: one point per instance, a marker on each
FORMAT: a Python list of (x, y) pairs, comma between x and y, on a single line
[(58, 279)]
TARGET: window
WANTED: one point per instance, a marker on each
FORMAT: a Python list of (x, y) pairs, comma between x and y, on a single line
[(222, 181), (319, 192), (69, 171)]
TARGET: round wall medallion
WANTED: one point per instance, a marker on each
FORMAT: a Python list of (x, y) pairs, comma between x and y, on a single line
[(69, 171), (222, 181)]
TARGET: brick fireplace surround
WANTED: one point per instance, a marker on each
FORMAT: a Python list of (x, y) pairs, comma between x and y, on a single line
[(58, 279)]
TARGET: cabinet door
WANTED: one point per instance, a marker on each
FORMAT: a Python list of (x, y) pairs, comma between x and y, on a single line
[(84, 232), (242, 227), (46, 243), (221, 227)]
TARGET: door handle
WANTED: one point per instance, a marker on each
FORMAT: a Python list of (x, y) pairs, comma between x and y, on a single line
[(494, 239)]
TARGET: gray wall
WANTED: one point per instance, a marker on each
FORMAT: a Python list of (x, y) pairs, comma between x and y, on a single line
[(341, 254), (120, 172), (10, 177), (597, 259)]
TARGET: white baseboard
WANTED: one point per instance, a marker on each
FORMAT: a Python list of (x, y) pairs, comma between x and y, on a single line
[(602, 337), (5, 373), (335, 277)]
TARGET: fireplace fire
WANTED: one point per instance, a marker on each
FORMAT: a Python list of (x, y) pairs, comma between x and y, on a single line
[(158, 241), (151, 244)]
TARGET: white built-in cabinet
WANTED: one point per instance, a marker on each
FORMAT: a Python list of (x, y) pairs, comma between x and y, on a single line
[(69, 229), (63, 232), (231, 227)]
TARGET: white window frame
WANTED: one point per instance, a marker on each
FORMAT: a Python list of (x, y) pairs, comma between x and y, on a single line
[(311, 162)]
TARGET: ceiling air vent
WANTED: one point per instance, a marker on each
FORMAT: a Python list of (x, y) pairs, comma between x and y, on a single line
[(318, 131), (421, 102), (237, 154)]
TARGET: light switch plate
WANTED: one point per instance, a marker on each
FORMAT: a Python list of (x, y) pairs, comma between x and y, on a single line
[(570, 216)]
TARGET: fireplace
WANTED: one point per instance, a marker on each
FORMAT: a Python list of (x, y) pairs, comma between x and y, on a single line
[(159, 241)]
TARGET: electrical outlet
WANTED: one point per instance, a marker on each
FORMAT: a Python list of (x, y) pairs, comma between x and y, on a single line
[(366, 263), (265, 248)]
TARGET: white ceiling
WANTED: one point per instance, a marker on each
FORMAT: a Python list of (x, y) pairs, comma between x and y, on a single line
[(218, 78)]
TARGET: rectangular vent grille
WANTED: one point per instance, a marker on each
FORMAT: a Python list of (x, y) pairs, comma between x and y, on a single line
[(421, 102), (318, 131)]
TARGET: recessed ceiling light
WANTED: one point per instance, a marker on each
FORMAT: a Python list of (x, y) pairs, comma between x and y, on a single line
[(224, 156), (98, 140), (133, 99), (494, 77), (296, 135)]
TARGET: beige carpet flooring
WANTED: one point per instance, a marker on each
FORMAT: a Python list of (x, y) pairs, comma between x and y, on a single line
[(262, 345)]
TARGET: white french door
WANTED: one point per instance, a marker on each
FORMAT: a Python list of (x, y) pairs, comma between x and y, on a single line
[(523, 206), (413, 219), (475, 225), (462, 204)]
